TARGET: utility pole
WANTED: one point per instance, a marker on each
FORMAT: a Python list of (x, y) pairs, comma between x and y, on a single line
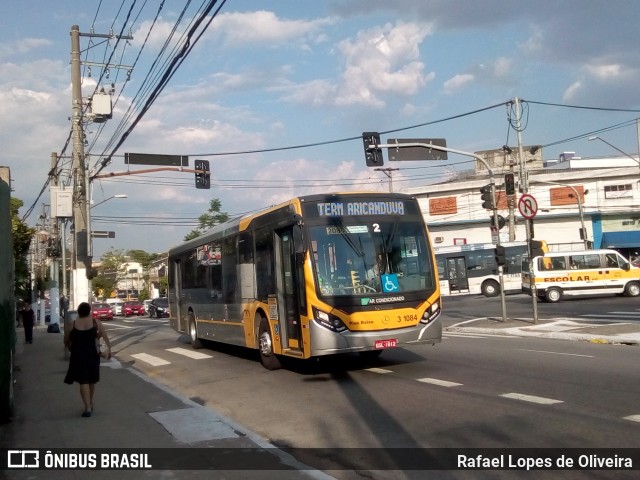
[(524, 188), (81, 235), (54, 241), (82, 259), (387, 172)]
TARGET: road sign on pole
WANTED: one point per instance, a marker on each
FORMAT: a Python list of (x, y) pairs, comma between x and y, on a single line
[(527, 206), (416, 153)]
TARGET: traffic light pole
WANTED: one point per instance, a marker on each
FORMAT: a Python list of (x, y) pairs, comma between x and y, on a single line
[(375, 147)]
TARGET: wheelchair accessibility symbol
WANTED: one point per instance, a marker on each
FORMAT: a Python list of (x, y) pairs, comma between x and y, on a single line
[(390, 283)]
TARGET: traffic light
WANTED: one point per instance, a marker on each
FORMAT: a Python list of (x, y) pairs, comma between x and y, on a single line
[(583, 233), (487, 197), (509, 184), (203, 179), (499, 252), (537, 248), (372, 155)]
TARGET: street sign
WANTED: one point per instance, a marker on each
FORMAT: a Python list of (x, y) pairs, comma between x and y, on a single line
[(527, 206), (102, 234), (403, 154), (156, 159)]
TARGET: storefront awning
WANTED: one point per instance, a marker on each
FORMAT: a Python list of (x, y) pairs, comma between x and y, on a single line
[(630, 239)]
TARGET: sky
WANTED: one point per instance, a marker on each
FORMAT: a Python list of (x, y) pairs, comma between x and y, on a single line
[(276, 95)]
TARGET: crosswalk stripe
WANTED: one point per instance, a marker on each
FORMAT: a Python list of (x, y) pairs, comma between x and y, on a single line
[(442, 383), (531, 398), (189, 353), (633, 418), (150, 359), (378, 370)]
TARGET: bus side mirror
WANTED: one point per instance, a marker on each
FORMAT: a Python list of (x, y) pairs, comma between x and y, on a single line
[(626, 266)]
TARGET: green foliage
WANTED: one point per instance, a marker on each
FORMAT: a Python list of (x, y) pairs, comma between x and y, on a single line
[(213, 216), (143, 258), (21, 235)]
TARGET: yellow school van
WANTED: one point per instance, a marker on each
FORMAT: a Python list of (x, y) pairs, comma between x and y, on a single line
[(587, 272)]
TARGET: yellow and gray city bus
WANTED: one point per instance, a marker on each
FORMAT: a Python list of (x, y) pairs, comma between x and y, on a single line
[(584, 272), (316, 275)]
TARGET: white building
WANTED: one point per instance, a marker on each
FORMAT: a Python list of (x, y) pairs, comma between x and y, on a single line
[(608, 204)]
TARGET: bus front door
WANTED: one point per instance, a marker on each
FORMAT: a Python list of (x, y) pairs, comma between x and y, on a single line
[(456, 270), (287, 282)]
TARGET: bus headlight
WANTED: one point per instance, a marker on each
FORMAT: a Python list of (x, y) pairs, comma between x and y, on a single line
[(431, 313), (329, 321)]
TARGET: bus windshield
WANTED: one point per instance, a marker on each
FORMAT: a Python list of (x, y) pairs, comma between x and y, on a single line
[(365, 257)]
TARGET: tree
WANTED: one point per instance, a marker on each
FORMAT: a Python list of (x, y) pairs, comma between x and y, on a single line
[(143, 258), (22, 235), (212, 217)]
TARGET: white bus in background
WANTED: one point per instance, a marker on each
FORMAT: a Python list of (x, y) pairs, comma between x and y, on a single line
[(472, 269), (588, 272)]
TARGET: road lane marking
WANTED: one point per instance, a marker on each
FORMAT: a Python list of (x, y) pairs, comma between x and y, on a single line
[(530, 398), (633, 418), (189, 353), (150, 359), (442, 383), (557, 353), (378, 370)]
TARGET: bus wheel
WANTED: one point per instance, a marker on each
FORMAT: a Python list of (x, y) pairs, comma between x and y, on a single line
[(632, 289), (491, 288), (553, 295), (193, 332), (265, 345)]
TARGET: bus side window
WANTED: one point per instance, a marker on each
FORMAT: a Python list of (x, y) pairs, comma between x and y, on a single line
[(612, 261)]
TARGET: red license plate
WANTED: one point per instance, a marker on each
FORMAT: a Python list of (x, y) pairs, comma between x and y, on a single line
[(390, 343)]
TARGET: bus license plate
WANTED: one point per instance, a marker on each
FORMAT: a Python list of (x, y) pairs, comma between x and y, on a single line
[(392, 342)]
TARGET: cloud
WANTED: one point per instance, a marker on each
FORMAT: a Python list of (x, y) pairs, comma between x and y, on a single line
[(457, 82), (239, 30), (378, 62), (23, 46)]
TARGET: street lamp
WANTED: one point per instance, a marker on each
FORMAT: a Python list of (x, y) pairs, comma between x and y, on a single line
[(119, 195), (595, 137), (580, 209)]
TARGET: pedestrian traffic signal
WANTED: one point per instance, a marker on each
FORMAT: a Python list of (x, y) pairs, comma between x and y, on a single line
[(509, 184), (372, 154), (487, 197), (203, 177), (499, 252)]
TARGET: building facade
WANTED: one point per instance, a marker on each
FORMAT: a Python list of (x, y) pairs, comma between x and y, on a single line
[(581, 202)]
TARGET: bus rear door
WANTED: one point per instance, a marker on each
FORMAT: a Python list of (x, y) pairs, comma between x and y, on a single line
[(456, 274)]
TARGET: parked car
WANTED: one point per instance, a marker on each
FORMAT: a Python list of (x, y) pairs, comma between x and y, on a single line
[(132, 308), (116, 307), (159, 307), (101, 311)]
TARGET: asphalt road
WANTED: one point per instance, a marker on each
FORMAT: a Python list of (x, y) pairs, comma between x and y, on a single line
[(482, 391)]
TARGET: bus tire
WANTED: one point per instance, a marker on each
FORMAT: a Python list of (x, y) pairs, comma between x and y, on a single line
[(490, 288), (632, 289), (193, 332), (553, 295), (268, 359)]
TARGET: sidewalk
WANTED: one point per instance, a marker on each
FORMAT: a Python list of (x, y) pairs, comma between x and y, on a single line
[(131, 411), (559, 328)]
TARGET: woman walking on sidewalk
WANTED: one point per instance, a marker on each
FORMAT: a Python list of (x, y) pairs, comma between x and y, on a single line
[(84, 363)]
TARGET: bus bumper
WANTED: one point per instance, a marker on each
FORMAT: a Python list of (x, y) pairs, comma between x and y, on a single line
[(327, 342)]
